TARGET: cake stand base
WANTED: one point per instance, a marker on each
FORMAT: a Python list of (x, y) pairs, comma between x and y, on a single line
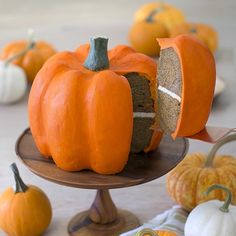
[(81, 224), (102, 219)]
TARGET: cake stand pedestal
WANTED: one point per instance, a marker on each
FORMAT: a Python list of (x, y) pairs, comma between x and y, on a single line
[(103, 218)]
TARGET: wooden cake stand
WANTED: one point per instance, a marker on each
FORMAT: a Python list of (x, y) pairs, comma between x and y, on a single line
[(103, 218)]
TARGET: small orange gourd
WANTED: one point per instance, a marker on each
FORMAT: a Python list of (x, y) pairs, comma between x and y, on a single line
[(25, 210), (143, 34), (206, 33), (29, 55), (166, 14), (187, 183)]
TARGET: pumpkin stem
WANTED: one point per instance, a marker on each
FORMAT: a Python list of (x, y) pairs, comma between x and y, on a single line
[(212, 153), (159, 9), (146, 232), (98, 57), (193, 30), (225, 207), (151, 15), (31, 44), (20, 185)]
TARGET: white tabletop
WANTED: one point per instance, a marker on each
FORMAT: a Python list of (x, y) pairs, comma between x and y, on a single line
[(69, 23)]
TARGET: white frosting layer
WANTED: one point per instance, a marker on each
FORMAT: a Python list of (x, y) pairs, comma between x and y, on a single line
[(170, 93), (144, 115)]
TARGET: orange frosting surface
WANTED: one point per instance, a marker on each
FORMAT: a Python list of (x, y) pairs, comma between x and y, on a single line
[(198, 83)]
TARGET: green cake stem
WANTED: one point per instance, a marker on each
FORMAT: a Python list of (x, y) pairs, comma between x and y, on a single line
[(98, 56)]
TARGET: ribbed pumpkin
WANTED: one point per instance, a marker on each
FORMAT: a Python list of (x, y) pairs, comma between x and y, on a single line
[(150, 232), (187, 183), (143, 34), (186, 69), (165, 13), (25, 210), (206, 33), (80, 107), (32, 59)]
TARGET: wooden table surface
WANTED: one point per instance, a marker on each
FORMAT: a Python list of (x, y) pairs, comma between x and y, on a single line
[(69, 23)]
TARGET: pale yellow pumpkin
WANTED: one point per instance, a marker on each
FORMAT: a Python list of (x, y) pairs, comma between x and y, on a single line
[(187, 183)]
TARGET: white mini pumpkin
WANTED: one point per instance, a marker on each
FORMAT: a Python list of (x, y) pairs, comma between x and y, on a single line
[(212, 218), (13, 83)]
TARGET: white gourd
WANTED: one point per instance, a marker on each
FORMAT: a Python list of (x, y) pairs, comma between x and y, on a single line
[(13, 80), (212, 218), (13, 83)]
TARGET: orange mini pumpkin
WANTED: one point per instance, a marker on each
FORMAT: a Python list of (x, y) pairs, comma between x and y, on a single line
[(166, 14), (143, 34), (186, 78), (203, 32), (32, 59), (80, 107), (187, 183), (24, 210)]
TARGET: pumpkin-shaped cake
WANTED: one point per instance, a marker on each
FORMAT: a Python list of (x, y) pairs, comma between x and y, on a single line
[(82, 105), (186, 78)]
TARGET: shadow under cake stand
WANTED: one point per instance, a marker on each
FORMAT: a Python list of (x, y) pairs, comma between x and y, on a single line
[(103, 218)]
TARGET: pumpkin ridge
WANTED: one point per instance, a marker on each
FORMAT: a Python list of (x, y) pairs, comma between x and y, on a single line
[(141, 65), (119, 51), (224, 158), (227, 182), (41, 109), (42, 50), (11, 216), (219, 181), (97, 164), (196, 189), (73, 75), (170, 176), (231, 169), (176, 184), (201, 160)]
